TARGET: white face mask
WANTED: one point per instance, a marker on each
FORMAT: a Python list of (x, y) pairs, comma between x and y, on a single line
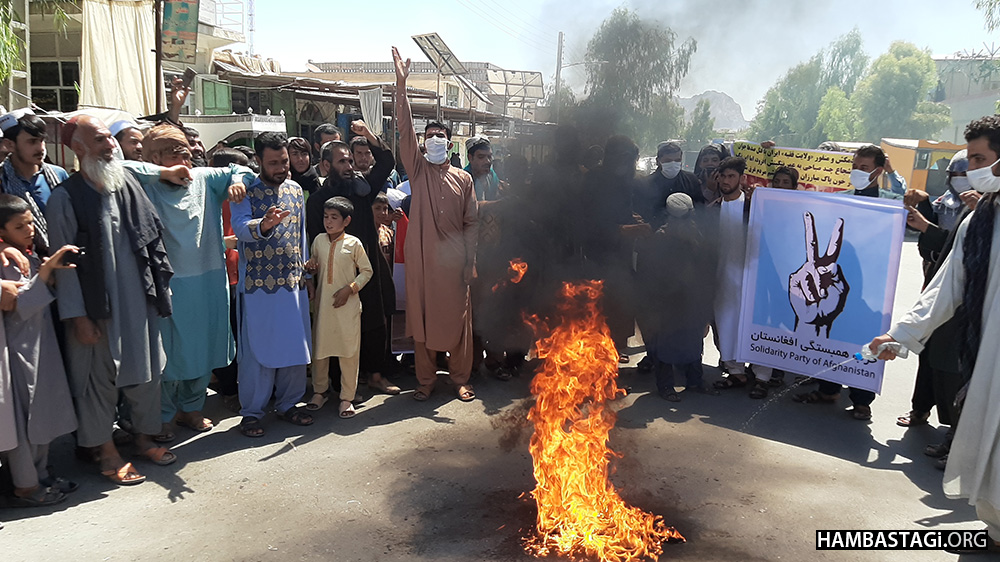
[(670, 169), (983, 180), (960, 184), (860, 179), (437, 150)]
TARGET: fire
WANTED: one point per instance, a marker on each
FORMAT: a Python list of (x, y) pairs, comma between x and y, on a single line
[(516, 270), (579, 511)]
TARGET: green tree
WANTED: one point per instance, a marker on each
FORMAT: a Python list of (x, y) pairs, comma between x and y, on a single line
[(701, 128), (837, 116), (991, 13), (633, 61), (789, 110), (664, 121), (892, 98)]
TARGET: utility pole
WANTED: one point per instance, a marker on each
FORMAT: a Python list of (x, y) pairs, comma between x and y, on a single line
[(558, 76), (158, 38)]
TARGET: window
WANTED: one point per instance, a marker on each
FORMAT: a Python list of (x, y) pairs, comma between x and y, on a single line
[(451, 95), (54, 84)]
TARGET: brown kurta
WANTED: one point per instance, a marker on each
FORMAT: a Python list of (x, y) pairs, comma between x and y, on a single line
[(440, 243)]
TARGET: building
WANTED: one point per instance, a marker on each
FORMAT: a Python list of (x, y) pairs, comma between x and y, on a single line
[(968, 83)]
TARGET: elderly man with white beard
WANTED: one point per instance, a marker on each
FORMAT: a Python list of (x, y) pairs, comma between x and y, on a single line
[(112, 300)]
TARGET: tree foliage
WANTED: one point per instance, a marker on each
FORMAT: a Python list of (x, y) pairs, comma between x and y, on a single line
[(11, 45), (892, 98), (632, 61), (991, 13), (789, 110), (837, 116), (701, 128)]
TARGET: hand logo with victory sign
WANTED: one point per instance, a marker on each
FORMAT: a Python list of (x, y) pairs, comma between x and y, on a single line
[(818, 290)]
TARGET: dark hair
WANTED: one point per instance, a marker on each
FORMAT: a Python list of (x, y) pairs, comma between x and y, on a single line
[(31, 124), (788, 171), (438, 125), (988, 127), (226, 156), (718, 149), (10, 207), (359, 140), (341, 204), (381, 198), (620, 148), (668, 147), (326, 129), (300, 144), (191, 132), (326, 153), (733, 163), (872, 151), (269, 139)]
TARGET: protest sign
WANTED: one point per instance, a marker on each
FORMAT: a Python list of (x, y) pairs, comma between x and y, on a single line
[(819, 170), (819, 283)]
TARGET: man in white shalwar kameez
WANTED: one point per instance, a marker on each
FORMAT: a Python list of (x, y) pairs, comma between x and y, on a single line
[(973, 469)]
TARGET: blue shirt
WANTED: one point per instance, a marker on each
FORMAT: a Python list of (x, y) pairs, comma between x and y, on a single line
[(36, 186)]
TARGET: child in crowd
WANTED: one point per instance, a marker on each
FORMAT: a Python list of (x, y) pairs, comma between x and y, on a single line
[(383, 221), (340, 268), (43, 407)]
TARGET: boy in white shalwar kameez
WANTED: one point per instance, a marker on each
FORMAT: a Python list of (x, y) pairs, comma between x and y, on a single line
[(340, 268)]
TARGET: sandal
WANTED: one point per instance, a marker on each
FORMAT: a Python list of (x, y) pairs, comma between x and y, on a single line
[(347, 409), (501, 373), (317, 401), (645, 365), (159, 455), (815, 397), (466, 393), (38, 498), (422, 393), (250, 427), (623, 359), (937, 451), (861, 412), (702, 389), (759, 390), (913, 418), (60, 484), (296, 416), (670, 396), (731, 381), (127, 475), (165, 435), (384, 386), (776, 382), (205, 425)]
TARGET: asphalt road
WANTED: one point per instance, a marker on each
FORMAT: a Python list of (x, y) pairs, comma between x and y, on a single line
[(443, 480)]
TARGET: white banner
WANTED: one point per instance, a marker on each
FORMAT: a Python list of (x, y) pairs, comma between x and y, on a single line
[(819, 282)]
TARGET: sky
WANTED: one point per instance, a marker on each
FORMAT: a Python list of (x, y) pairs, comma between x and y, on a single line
[(743, 47)]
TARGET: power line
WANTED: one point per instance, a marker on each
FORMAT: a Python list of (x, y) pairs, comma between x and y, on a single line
[(526, 40), (537, 33)]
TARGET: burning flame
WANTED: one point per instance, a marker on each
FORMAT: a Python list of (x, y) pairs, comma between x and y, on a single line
[(516, 270), (579, 511)]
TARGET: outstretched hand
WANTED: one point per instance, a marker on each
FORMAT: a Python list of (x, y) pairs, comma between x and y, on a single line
[(272, 218), (402, 68), (818, 291)]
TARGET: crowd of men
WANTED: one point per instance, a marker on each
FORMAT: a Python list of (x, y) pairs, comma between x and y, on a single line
[(158, 267)]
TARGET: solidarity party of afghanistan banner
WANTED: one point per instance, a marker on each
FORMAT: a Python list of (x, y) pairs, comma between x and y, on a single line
[(819, 170), (819, 283)]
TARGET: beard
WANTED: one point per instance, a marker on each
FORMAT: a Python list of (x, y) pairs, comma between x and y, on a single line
[(109, 175)]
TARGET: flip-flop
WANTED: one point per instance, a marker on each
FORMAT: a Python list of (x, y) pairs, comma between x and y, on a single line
[(731, 381), (206, 425), (296, 416), (42, 496), (348, 410), (466, 393), (127, 475), (159, 455), (913, 418)]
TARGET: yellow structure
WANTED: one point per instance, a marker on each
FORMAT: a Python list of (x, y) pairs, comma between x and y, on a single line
[(921, 162)]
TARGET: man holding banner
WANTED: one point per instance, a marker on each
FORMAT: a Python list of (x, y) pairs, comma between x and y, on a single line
[(965, 282), (870, 162)]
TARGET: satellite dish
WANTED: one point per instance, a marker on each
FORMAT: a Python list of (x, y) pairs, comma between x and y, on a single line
[(310, 67)]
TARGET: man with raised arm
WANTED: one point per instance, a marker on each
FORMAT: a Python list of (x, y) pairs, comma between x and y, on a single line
[(440, 250)]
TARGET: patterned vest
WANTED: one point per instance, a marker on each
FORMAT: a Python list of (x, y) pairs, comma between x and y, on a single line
[(275, 262)]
